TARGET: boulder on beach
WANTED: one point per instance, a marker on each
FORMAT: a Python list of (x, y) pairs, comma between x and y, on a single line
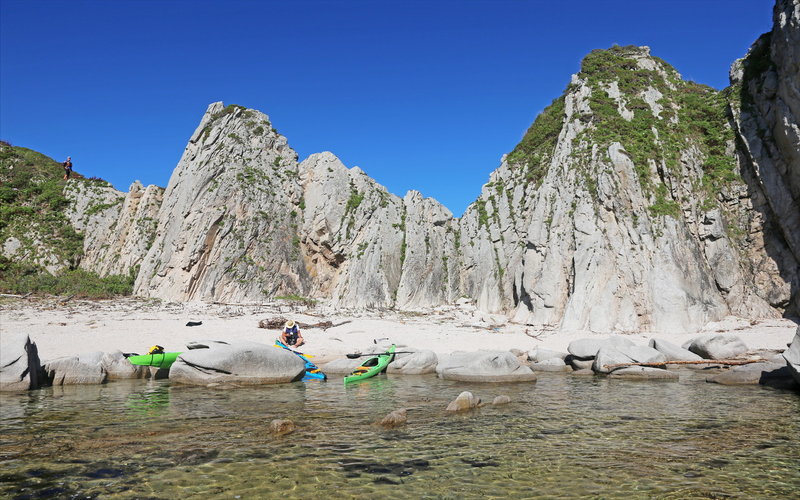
[(395, 418), (610, 355), (343, 365), (716, 346), (587, 348), (672, 351), (236, 362), (413, 363), (792, 356), (465, 401), (86, 368), (771, 374), (551, 365), (579, 364), (20, 367), (483, 366), (537, 355), (118, 367)]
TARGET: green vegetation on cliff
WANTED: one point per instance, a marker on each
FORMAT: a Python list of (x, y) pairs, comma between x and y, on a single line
[(661, 121), (691, 114), (32, 205), (35, 233), (535, 150)]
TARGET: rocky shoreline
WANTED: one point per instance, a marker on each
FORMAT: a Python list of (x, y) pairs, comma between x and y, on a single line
[(37, 352)]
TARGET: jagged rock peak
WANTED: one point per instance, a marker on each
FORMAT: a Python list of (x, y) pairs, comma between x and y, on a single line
[(227, 227)]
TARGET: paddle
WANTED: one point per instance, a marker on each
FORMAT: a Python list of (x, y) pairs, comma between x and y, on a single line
[(278, 343), (354, 356)]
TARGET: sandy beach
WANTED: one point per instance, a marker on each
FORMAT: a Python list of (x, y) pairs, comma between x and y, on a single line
[(133, 325)]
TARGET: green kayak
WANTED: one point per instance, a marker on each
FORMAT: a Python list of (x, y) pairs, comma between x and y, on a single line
[(372, 366), (162, 360)]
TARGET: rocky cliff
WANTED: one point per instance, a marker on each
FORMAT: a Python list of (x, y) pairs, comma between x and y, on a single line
[(765, 103), (622, 209), (636, 201)]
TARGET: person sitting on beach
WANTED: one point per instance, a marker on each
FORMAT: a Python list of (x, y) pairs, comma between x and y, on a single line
[(291, 335)]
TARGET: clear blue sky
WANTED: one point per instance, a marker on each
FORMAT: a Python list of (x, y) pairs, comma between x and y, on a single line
[(422, 95)]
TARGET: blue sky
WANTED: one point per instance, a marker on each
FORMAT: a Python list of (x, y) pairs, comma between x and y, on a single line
[(422, 95)]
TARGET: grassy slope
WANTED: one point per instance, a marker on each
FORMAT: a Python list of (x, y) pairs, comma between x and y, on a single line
[(32, 207)]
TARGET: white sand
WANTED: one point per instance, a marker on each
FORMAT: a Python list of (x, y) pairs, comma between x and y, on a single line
[(133, 325)]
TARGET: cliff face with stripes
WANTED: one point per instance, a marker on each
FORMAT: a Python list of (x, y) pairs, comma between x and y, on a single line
[(636, 201)]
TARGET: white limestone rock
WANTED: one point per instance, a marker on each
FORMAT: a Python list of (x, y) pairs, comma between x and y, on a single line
[(83, 369), (240, 362), (483, 366)]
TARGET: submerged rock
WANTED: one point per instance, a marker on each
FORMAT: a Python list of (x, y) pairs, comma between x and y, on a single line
[(20, 367), (465, 401), (484, 366), (643, 373), (282, 427), (395, 418)]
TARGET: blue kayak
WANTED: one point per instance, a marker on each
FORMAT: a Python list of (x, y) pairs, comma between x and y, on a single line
[(312, 371)]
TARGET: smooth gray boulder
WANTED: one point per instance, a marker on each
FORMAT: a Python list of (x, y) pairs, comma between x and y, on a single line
[(465, 401), (551, 365), (587, 348), (538, 355), (609, 355), (579, 364), (717, 346), (771, 374), (643, 373), (237, 362), (792, 356), (86, 368), (416, 363), (672, 351), (342, 365), (20, 367), (483, 366), (118, 367)]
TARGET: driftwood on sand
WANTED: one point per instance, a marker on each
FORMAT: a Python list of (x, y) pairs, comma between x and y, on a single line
[(277, 323), (733, 362)]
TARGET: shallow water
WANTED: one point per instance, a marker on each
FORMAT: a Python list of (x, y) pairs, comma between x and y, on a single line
[(563, 437)]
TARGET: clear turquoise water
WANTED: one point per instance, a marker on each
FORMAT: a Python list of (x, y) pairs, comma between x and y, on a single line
[(563, 437)]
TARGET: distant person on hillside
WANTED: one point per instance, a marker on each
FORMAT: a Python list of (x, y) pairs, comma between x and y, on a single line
[(67, 167), (291, 335)]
